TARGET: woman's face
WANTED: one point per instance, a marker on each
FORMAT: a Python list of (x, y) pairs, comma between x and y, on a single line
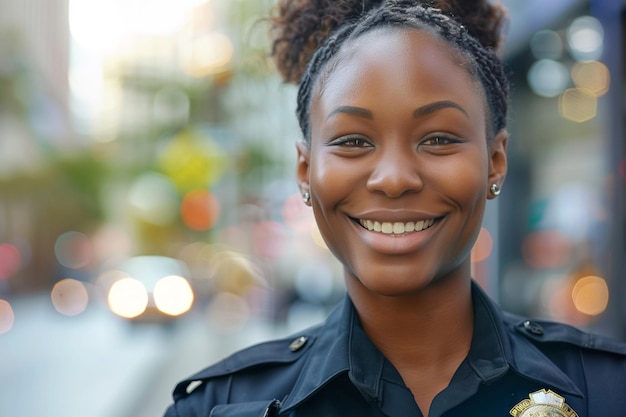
[(398, 166)]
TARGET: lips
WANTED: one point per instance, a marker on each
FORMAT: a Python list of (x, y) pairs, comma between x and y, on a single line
[(396, 228)]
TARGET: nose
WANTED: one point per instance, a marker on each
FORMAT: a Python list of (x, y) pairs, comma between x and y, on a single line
[(396, 172)]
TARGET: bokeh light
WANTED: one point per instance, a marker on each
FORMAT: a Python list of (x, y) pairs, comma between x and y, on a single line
[(585, 37), (73, 250), (69, 297), (590, 295), (622, 168), (200, 209), (593, 76), (153, 198), (548, 78), (546, 44), (483, 246), (7, 317), (128, 297), (173, 295), (578, 105), (192, 160), (10, 260)]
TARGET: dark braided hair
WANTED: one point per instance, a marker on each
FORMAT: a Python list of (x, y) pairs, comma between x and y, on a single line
[(303, 48)]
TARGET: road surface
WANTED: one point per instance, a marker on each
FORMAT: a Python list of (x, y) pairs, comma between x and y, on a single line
[(97, 365)]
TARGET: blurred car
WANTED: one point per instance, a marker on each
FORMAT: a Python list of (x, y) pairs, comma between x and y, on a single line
[(150, 288)]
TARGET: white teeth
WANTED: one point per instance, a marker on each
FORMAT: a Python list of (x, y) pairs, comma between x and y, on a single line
[(396, 228)]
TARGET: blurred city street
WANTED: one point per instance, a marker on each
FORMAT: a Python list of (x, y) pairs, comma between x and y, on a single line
[(147, 161), (98, 365)]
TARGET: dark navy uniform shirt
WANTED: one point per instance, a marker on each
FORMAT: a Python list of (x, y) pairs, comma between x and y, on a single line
[(515, 367)]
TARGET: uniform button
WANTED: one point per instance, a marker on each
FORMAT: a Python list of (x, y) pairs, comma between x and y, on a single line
[(534, 328), (298, 343)]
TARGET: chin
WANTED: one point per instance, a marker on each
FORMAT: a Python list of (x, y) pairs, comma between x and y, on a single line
[(392, 282), (398, 279)]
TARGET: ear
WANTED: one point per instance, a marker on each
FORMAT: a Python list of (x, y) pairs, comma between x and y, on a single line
[(302, 167), (497, 161)]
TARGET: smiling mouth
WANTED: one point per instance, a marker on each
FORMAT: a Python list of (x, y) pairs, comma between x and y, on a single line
[(396, 228)]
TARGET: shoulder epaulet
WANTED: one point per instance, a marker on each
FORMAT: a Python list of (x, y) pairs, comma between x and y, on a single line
[(281, 351), (544, 331)]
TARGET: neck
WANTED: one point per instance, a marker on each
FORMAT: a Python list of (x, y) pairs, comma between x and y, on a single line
[(426, 329), (425, 335)]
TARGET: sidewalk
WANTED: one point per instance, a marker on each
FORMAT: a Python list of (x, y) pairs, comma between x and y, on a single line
[(89, 365)]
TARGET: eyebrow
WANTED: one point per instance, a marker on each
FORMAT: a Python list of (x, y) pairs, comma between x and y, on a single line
[(419, 112), (436, 106), (355, 111)]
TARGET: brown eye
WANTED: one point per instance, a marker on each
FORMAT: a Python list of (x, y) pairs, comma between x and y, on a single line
[(440, 141), (353, 141)]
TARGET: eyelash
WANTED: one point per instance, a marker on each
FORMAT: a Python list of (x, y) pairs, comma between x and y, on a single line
[(354, 141), (447, 140)]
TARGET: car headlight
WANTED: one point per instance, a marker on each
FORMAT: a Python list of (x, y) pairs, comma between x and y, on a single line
[(128, 297), (173, 295)]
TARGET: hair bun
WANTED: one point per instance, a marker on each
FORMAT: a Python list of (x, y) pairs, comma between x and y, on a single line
[(299, 27), (484, 21)]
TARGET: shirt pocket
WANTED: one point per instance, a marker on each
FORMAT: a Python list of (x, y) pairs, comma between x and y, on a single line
[(249, 409)]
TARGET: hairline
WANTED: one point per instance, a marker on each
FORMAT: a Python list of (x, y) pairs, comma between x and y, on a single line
[(458, 56)]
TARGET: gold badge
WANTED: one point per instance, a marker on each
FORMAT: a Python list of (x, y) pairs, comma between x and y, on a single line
[(543, 403)]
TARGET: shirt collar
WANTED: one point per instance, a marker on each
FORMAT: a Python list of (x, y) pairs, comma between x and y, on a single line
[(342, 346), (367, 363), (496, 347), (327, 358)]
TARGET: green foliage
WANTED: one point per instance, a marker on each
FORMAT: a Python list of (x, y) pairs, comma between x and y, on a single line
[(83, 176)]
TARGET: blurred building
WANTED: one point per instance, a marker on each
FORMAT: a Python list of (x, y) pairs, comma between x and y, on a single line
[(34, 118), (34, 40), (612, 14), (562, 234)]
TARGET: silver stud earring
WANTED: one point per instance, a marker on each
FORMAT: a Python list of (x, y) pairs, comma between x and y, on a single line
[(306, 197), (495, 189)]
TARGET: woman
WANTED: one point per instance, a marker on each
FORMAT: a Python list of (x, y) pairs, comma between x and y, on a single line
[(403, 113)]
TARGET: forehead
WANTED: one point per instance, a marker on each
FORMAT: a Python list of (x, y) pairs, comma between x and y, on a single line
[(413, 64)]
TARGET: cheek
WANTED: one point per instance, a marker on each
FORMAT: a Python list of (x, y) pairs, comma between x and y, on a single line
[(332, 184), (329, 176), (325, 188), (462, 180)]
